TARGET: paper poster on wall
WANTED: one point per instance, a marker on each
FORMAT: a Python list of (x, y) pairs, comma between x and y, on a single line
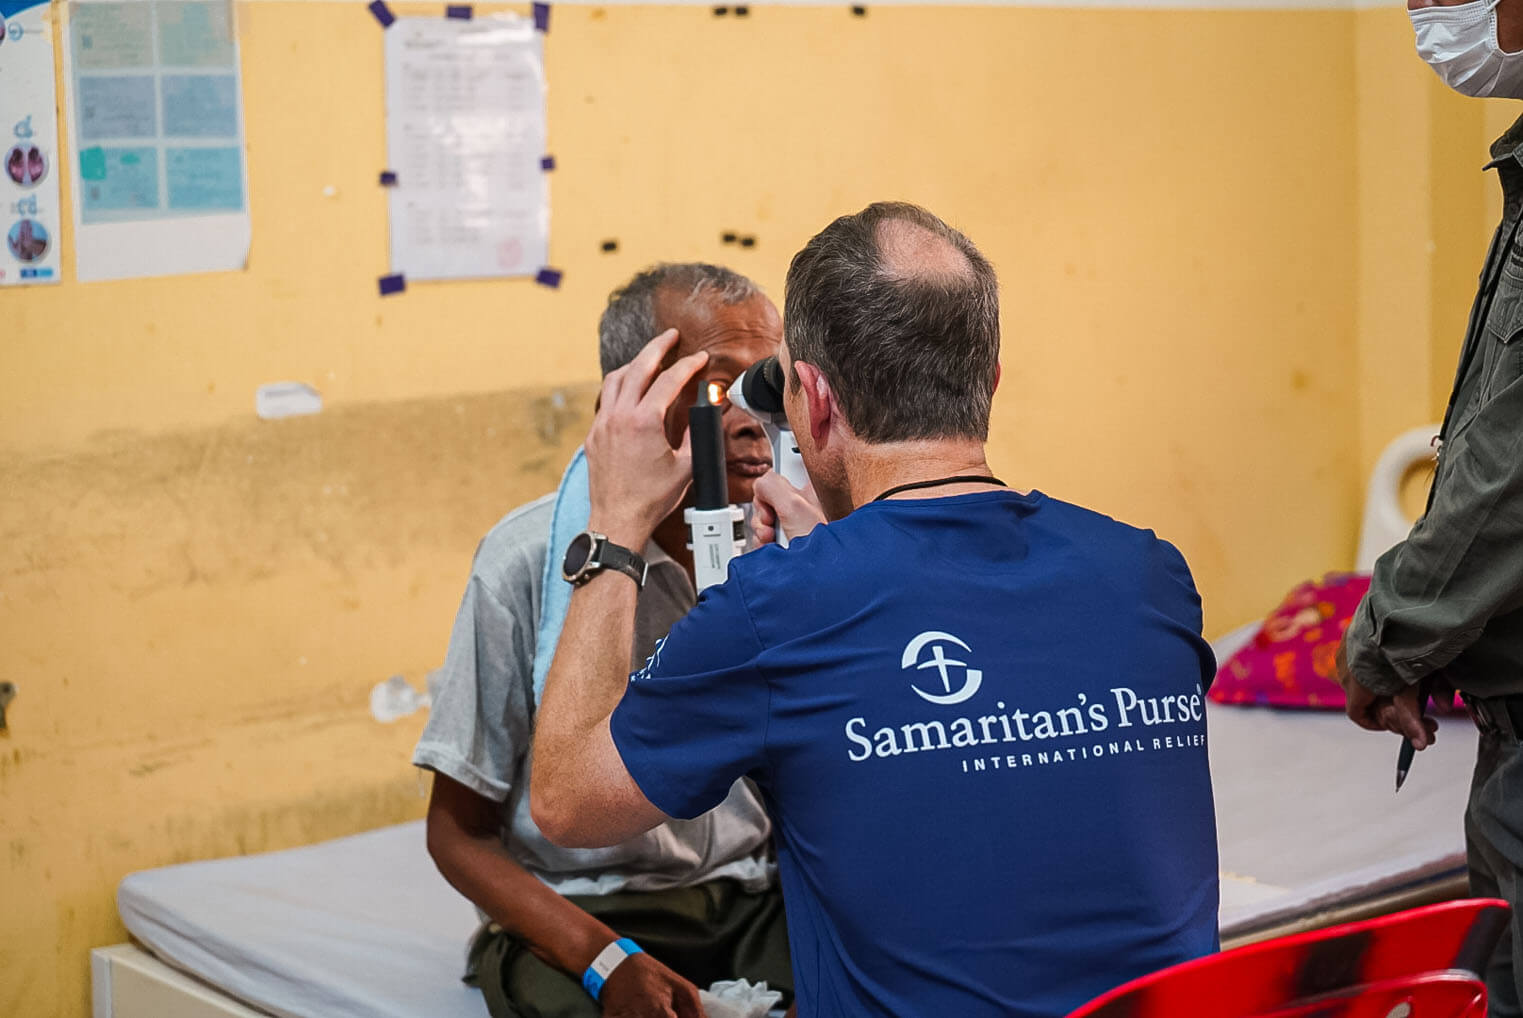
[(29, 198), (155, 112), (465, 132)]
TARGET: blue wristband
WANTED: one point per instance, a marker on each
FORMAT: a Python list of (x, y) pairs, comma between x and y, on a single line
[(603, 965)]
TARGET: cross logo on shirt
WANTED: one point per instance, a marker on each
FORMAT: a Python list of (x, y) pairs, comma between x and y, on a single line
[(972, 678)]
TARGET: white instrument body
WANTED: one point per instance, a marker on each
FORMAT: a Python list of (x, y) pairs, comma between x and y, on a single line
[(714, 542)]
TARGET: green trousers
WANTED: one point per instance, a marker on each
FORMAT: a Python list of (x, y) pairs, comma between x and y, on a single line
[(1494, 850), (716, 930)]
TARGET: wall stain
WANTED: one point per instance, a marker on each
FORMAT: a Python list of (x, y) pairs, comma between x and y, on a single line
[(209, 718), (355, 486)]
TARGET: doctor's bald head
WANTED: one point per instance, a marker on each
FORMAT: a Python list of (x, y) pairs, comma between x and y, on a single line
[(901, 313)]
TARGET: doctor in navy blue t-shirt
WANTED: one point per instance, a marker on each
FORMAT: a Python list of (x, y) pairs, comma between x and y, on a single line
[(977, 716)]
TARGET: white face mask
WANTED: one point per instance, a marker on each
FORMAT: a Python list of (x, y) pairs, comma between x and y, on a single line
[(1460, 43)]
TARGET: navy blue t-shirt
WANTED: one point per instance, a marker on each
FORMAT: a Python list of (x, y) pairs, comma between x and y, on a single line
[(979, 724)]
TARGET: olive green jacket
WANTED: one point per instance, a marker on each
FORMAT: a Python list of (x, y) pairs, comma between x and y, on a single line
[(1449, 598)]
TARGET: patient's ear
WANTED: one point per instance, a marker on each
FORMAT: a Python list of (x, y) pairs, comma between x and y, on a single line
[(999, 370)]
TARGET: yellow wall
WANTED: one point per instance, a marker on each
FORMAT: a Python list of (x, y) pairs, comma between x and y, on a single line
[(1212, 230)]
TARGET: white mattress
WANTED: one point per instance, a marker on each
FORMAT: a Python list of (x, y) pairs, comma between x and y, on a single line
[(1307, 814), (361, 927), (364, 927)]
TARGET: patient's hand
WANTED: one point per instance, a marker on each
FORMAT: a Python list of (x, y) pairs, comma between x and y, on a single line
[(776, 500), (642, 987)]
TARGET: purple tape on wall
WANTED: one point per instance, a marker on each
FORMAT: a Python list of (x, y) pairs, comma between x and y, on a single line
[(547, 163), (394, 283), (542, 17), (388, 179), (460, 12), (382, 13), (549, 277)]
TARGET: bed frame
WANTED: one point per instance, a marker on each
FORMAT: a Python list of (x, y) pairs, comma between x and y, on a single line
[(1445, 888), (128, 982)]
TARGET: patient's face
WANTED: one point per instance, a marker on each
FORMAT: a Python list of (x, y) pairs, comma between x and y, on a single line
[(735, 336)]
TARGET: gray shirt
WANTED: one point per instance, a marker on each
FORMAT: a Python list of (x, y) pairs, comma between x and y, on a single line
[(482, 722)]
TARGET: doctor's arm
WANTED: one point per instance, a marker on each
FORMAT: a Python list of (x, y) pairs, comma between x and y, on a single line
[(581, 793)]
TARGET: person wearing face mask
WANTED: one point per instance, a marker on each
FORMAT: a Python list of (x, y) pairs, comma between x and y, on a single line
[(1475, 47), (1445, 607)]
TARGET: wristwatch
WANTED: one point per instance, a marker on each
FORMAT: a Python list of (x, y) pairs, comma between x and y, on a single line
[(591, 552)]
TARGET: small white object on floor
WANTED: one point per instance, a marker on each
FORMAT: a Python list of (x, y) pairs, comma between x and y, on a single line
[(738, 998)]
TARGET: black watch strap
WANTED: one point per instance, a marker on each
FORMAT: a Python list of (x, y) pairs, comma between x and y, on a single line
[(615, 556), (590, 553)]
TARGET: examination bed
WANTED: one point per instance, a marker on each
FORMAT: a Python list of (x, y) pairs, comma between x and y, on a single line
[(1310, 830)]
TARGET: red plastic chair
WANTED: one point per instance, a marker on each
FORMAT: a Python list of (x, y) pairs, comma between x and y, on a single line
[(1422, 963)]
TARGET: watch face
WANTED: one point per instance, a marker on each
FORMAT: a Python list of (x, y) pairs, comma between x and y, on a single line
[(577, 554)]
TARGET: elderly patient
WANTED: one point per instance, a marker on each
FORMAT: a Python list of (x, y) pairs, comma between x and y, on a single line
[(975, 713), (697, 896)]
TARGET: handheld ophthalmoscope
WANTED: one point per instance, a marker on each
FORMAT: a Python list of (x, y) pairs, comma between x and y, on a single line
[(718, 528), (759, 392)]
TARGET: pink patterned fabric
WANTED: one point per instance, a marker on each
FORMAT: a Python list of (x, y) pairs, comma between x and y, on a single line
[(1292, 662)]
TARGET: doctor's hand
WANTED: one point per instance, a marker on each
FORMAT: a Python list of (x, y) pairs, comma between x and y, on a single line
[(635, 477), (775, 500), (642, 987)]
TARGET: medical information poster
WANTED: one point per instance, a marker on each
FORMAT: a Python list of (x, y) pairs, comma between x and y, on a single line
[(29, 145), (155, 112), (465, 133)]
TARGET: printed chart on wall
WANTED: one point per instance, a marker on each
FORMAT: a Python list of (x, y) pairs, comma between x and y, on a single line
[(465, 133), (156, 121), (29, 144)]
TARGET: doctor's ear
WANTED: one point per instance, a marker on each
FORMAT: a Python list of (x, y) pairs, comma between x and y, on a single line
[(811, 380), (999, 370), (819, 400)]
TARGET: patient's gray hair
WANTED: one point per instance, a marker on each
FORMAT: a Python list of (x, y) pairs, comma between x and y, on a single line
[(629, 321)]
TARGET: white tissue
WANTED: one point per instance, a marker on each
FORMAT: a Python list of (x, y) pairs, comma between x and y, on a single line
[(738, 998)]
